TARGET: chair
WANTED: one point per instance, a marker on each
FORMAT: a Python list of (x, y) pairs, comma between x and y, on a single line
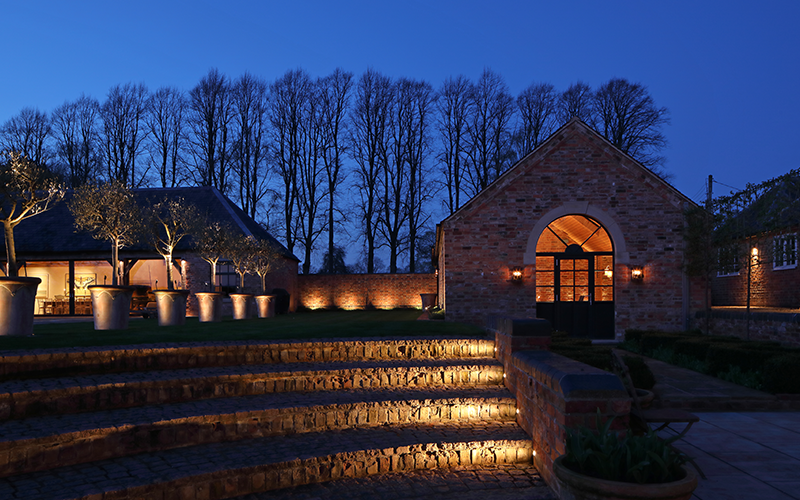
[(663, 417)]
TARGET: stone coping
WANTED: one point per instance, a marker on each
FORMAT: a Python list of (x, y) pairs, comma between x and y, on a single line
[(756, 314), (567, 377)]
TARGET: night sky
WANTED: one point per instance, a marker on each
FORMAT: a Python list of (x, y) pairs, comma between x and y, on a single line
[(727, 71)]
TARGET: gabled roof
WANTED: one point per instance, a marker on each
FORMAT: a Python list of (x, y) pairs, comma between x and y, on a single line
[(776, 209), (574, 126), (52, 235)]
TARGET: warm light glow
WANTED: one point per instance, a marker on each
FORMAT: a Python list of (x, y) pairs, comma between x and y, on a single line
[(637, 274), (534, 453), (516, 273), (504, 375), (608, 272), (517, 411), (754, 253)]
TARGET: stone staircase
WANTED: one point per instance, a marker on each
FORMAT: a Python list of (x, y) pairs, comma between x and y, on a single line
[(221, 420)]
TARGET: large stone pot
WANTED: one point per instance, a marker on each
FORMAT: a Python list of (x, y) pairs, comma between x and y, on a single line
[(242, 305), (17, 305), (265, 305), (576, 486), (111, 306), (210, 305), (171, 306), (428, 300)]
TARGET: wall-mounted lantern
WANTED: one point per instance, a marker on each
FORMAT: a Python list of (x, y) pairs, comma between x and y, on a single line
[(517, 274), (637, 274), (608, 272), (754, 254)]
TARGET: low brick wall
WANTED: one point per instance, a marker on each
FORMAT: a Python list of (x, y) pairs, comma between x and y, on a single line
[(553, 393), (767, 325), (363, 291)]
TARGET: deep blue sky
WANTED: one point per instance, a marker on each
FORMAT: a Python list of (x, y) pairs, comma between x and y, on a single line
[(729, 72)]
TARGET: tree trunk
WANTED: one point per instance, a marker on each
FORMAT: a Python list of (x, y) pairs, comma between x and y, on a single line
[(11, 252), (114, 263), (168, 263)]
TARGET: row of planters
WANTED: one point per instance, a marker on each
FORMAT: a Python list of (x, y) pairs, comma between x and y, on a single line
[(110, 212), (762, 365)]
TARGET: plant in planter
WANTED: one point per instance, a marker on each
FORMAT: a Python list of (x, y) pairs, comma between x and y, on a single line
[(169, 221), (212, 241), (109, 212), (241, 251), (26, 189), (266, 259), (604, 463)]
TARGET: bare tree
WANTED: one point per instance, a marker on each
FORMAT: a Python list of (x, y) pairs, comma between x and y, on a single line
[(251, 119), (289, 94), (77, 141), (28, 134), (576, 101), (241, 251), (165, 122), (210, 113), (369, 137), (454, 107), (335, 90), (537, 111), (109, 211), (168, 222), (628, 117), (311, 175), (422, 100), (489, 134), (395, 178), (26, 189), (266, 260), (124, 130)]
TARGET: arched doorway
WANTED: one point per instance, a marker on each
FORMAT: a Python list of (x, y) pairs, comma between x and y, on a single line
[(575, 277)]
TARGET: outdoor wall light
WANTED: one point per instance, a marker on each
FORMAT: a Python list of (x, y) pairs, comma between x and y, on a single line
[(516, 273), (754, 253), (637, 273)]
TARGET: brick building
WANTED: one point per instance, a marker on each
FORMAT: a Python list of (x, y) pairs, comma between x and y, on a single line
[(576, 232)]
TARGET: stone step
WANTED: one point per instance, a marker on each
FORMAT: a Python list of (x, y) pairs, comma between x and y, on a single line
[(482, 482), (42, 363), (230, 469), (39, 397), (42, 443)]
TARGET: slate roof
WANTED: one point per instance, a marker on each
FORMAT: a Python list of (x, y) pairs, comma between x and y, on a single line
[(52, 235)]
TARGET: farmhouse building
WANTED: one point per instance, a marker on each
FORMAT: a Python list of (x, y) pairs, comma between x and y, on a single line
[(69, 260), (578, 233)]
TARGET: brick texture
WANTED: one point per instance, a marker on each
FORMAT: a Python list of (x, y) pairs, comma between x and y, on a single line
[(363, 291), (480, 243)]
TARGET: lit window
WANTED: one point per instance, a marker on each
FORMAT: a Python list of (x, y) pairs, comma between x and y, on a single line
[(785, 248), (728, 264)]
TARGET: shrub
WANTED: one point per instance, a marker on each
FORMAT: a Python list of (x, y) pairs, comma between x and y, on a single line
[(751, 379), (653, 340), (782, 374), (721, 356), (597, 356)]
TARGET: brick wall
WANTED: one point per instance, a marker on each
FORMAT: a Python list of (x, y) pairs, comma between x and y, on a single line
[(363, 291), (554, 394), (768, 288), (764, 325), (490, 234)]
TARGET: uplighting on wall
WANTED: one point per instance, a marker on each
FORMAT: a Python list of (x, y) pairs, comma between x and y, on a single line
[(637, 273), (516, 273)]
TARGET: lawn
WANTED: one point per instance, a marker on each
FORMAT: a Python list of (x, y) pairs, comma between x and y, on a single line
[(304, 325)]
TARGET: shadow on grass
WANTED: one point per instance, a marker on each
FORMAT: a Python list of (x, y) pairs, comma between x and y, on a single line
[(305, 325)]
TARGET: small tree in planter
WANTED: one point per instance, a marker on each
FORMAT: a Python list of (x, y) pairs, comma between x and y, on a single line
[(212, 242), (266, 259), (241, 251), (109, 212), (26, 189), (169, 221)]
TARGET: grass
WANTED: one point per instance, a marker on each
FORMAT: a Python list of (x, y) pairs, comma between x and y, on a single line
[(304, 325)]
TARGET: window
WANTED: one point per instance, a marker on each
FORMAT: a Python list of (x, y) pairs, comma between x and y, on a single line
[(728, 264), (785, 248), (227, 279)]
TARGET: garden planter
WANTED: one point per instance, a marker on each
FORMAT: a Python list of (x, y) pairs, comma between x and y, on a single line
[(576, 486), (242, 305), (171, 306), (265, 305), (111, 306), (645, 398), (428, 300), (210, 305), (17, 303)]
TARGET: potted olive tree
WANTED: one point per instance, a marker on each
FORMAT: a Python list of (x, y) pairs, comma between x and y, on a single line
[(601, 463), (26, 189), (266, 259), (169, 221), (241, 251), (109, 212), (212, 242)]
